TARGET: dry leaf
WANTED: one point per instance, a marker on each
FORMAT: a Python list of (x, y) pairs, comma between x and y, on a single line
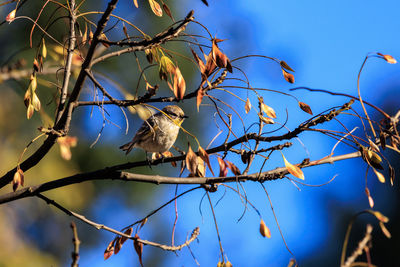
[(200, 95), (191, 161), (109, 250), (293, 169), (247, 106), (385, 231), (18, 179), (11, 16), (268, 110), (138, 248), (305, 107), (66, 142), (392, 175), (264, 230), (285, 65), (206, 158), (223, 171), (374, 159), (179, 84), (167, 11), (44, 49), (168, 154), (143, 222), (288, 76), (117, 245), (199, 62), (205, 2), (127, 232), (380, 216), (156, 8), (389, 59), (371, 201), (135, 3), (266, 120), (235, 170), (380, 176)]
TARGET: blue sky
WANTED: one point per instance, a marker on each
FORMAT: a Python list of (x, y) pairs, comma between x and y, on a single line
[(325, 43)]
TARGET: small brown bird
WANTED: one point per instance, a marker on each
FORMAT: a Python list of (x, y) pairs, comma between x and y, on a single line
[(159, 132)]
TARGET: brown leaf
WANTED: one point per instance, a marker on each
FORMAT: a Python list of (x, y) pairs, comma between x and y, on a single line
[(135, 3), (382, 139), (29, 111), (305, 107), (206, 158), (200, 168), (36, 66), (167, 11), (138, 248), (168, 154), (179, 84), (156, 8), (264, 230), (109, 250), (127, 232), (104, 38), (285, 65), (288, 76), (385, 231), (90, 37), (235, 170), (373, 145), (223, 171), (210, 65), (392, 174), (125, 30), (117, 245), (143, 222), (199, 62), (191, 161), (370, 199), (220, 58), (247, 106), (11, 16), (200, 95), (205, 2), (373, 159), (293, 169)]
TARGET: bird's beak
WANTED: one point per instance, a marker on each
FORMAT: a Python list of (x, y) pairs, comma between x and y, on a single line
[(185, 117)]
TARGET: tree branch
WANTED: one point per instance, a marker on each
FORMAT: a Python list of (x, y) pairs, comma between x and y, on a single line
[(98, 226), (109, 174)]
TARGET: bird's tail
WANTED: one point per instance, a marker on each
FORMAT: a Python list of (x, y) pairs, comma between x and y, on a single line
[(127, 147)]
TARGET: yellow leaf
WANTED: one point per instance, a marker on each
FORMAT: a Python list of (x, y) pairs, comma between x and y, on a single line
[(11, 16), (44, 49), (380, 216), (385, 230), (264, 230), (156, 8), (191, 161), (268, 110), (135, 3), (247, 106), (380, 176), (293, 169)]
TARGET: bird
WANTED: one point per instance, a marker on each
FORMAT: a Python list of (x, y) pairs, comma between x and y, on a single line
[(159, 132)]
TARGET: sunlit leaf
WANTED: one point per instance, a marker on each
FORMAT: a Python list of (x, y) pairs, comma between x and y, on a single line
[(293, 169), (235, 170), (388, 58), (288, 76), (392, 174), (199, 62), (268, 110), (117, 245), (179, 84), (191, 161), (44, 49), (156, 8), (18, 179), (11, 16), (109, 250), (135, 3), (305, 108), (266, 120), (385, 231), (223, 171), (380, 216), (206, 158), (247, 106), (285, 65), (199, 98), (380, 176), (264, 230), (370, 199)]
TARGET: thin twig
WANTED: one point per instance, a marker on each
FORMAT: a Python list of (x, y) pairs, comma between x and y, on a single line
[(76, 242)]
